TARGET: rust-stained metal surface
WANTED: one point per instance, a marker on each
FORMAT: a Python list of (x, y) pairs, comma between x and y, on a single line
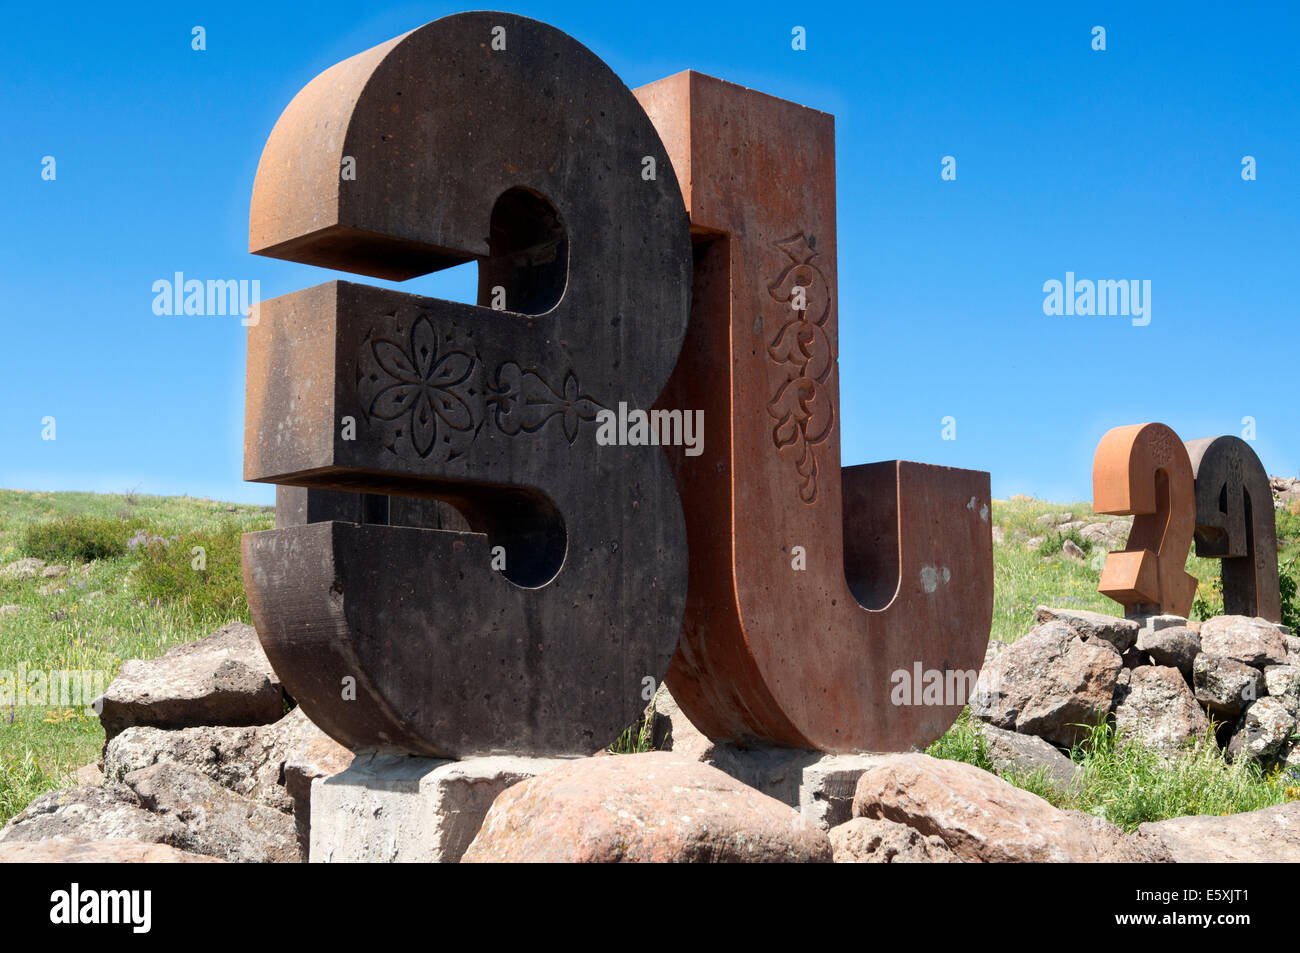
[(388, 632), (1143, 470), (898, 569), (1235, 522)]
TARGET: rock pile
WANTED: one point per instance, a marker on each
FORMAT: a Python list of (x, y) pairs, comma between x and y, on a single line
[(200, 759), (1163, 681)]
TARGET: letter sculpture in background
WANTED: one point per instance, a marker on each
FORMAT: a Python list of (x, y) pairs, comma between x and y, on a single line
[(1143, 470), (1235, 522)]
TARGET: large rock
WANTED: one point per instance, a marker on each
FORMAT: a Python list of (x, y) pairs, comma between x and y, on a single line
[(671, 730), (1283, 682), (1256, 642), (1292, 650), (106, 812), (1051, 683), (224, 679), (865, 840), (982, 818), (1225, 686), (1093, 626), (249, 761), (70, 850), (1263, 731), (658, 806), (1174, 646), (1155, 705), (1269, 835), (213, 820), (1027, 754), (23, 568)]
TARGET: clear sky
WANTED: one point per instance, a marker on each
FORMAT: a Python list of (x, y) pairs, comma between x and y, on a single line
[(1122, 164)]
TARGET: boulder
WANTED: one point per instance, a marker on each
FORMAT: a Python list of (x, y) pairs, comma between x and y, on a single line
[(1093, 626), (1026, 754), (224, 679), (1051, 683), (1154, 704), (1256, 642), (1292, 649), (54, 572), (671, 730), (1283, 682), (865, 840), (982, 818), (1269, 835), (248, 760), (1225, 686), (22, 568), (105, 812), (658, 806), (1175, 646), (1262, 731), (213, 820), (71, 850)]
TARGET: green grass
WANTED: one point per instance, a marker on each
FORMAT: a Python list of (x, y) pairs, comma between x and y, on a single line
[(137, 603), (128, 603), (1129, 784)]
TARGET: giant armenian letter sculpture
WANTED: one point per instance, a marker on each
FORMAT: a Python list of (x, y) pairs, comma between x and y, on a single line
[(460, 566)]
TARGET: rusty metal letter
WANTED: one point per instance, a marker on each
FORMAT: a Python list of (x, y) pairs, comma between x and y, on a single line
[(1143, 470), (813, 590)]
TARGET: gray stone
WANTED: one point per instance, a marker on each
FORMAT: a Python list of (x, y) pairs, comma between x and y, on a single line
[(224, 679), (1071, 549), (54, 572), (105, 812), (23, 568), (1256, 642), (10, 610), (1027, 754), (1050, 683), (1283, 682), (1263, 730), (1292, 650), (866, 840), (1175, 646), (401, 809), (313, 755), (1093, 626), (671, 730), (1225, 686), (213, 820), (1155, 705), (819, 786), (1269, 835), (247, 760)]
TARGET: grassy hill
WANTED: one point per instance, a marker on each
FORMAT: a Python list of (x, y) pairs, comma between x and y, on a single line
[(131, 591)]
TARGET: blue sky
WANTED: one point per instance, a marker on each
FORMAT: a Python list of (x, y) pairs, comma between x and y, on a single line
[(1123, 164)]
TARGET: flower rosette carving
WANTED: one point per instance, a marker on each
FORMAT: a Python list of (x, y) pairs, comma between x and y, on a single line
[(802, 406), (421, 385), (524, 402)]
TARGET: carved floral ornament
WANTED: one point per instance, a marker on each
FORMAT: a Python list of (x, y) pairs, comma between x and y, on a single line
[(425, 384)]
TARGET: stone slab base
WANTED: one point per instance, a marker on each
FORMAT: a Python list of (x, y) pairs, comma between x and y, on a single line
[(819, 786), (399, 809)]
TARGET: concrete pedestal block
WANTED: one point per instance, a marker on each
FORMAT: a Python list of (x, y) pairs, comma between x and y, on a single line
[(401, 809), (819, 786)]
